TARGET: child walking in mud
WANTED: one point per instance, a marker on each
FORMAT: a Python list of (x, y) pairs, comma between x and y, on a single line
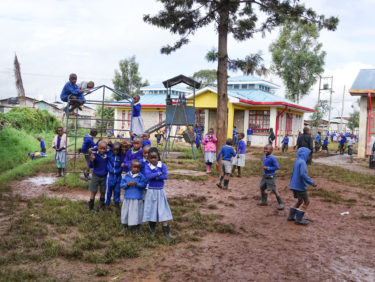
[(226, 153), (134, 183), (298, 184), (156, 208), (60, 143), (239, 159), (98, 163), (268, 181), (209, 143)]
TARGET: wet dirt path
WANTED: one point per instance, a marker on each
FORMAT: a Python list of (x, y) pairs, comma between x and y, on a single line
[(266, 246)]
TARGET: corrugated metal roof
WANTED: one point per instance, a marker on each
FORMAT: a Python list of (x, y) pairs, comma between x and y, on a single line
[(250, 78), (257, 95), (159, 86), (365, 80)]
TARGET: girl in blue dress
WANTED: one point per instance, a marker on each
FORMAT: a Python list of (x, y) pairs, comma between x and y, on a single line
[(138, 127), (156, 208)]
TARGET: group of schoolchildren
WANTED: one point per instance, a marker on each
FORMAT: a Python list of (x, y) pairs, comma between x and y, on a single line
[(136, 168), (232, 159)]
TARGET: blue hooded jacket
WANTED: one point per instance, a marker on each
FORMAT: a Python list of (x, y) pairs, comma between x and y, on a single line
[(300, 179)]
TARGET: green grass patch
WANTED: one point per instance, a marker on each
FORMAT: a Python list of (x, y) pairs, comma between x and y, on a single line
[(327, 196), (73, 180), (51, 228)]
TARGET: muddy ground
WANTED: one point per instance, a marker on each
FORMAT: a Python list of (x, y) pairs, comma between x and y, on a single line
[(265, 247)]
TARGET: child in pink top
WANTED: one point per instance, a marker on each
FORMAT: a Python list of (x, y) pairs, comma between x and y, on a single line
[(209, 143)]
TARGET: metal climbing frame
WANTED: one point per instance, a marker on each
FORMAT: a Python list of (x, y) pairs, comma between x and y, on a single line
[(179, 111), (72, 121)]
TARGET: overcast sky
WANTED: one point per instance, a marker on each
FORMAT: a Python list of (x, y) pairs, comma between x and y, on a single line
[(53, 38)]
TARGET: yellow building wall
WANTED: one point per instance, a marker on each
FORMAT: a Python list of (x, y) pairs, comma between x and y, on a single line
[(206, 100)]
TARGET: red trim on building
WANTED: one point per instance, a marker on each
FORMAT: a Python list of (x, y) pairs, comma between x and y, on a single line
[(276, 103), (128, 106)]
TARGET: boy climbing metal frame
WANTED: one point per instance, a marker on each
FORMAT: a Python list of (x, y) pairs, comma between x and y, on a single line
[(126, 100), (188, 111)]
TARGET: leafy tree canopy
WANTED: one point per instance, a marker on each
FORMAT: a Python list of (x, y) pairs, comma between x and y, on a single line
[(127, 79), (207, 77), (298, 58), (321, 109), (353, 122)]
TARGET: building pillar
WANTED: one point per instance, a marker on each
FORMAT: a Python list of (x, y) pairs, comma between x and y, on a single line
[(245, 121), (273, 115), (206, 117), (117, 124), (362, 127), (230, 120)]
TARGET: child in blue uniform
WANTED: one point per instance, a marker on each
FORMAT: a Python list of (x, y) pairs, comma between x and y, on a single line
[(144, 160), (134, 183), (325, 144), (88, 143), (98, 162), (71, 91), (138, 127), (156, 208), (298, 184), (239, 159), (249, 136), (42, 145), (146, 140), (268, 181), (114, 175), (285, 143), (134, 153), (227, 152), (60, 143)]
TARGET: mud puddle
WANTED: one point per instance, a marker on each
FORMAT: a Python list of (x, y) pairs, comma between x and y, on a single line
[(41, 180)]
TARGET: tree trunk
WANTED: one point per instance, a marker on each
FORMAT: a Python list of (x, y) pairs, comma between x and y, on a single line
[(222, 76)]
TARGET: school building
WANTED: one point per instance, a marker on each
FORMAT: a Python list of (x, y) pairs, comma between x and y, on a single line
[(364, 88), (251, 104)]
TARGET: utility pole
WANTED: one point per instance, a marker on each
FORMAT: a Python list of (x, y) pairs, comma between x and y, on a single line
[(342, 107), (320, 80), (330, 105)]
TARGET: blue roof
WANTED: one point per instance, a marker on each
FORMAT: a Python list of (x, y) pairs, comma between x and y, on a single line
[(365, 80), (250, 78), (258, 95), (161, 86)]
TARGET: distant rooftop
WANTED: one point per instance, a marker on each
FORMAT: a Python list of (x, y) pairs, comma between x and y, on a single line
[(364, 82), (251, 79), (160, 86)]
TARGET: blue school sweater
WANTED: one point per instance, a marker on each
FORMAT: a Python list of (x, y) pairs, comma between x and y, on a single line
[(114, 163), (285, 140), (271, 163), (241, 149), (146, 143), (227, 152), (71, 89), (136, 110), (88, 142), (42, 144), (144, 162), (325, 142), (99, 165), (249, 132), (154, 176), (131, 155), (299, 178), (133, 192)]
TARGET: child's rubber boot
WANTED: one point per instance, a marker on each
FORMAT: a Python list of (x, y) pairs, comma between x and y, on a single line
[(167, 232), (59, 170), (281, 204), (152, 227), (239, 172), (226, 183), (292, 214), (91, 205), (139, 229), (233, 170), (208, 168), (218, 183), (263, 202), (299, 218), (63, 171), (101, 204), (123, 230)]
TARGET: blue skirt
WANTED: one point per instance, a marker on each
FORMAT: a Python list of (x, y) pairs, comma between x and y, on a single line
[(156, 208)]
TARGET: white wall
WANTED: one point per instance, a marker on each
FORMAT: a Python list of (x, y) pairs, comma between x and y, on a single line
[(362, 127)]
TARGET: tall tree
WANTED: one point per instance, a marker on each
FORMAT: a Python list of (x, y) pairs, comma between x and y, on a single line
[(237, 17), (298, 58), (321, 109), (353, 122), (207, 77), (128, 79), (19, 83)]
